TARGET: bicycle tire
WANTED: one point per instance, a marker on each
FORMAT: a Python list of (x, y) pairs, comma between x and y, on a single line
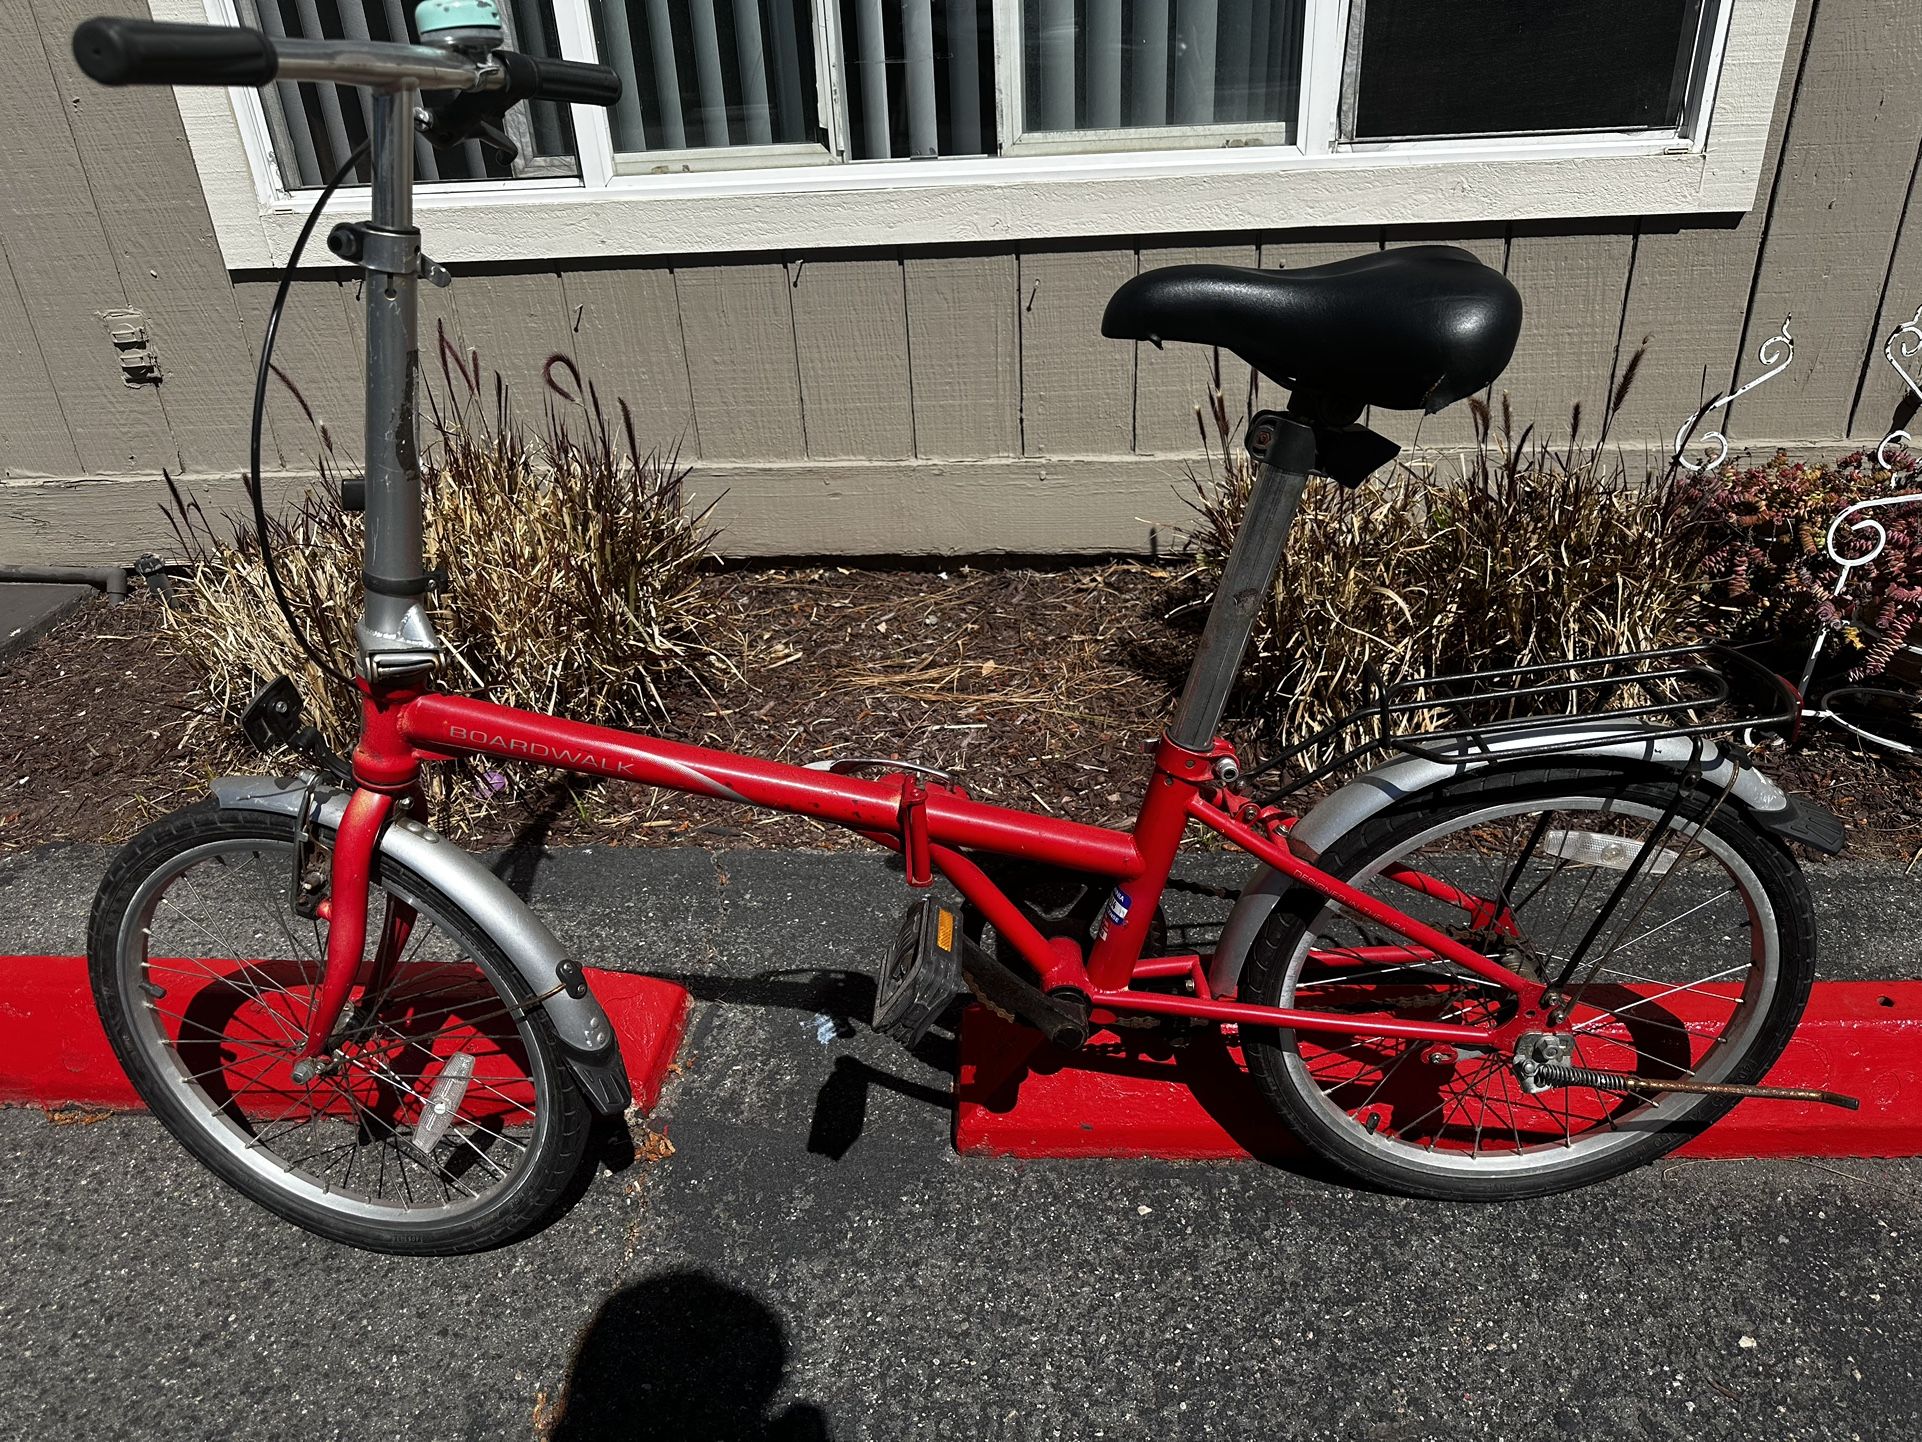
[(224, 1128), (1403, 1153)]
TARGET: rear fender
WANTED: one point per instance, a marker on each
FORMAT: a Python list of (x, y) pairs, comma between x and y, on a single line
[(586, 1036), (1791, 818)]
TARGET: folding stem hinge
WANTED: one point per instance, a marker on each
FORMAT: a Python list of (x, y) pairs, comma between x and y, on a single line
[(393, 667), (915, 854), (377, 249)]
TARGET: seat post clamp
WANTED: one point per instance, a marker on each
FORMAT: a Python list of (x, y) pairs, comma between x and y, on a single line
[(1263, 427), (1285, 442)]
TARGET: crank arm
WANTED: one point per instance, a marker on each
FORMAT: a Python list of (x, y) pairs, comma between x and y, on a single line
[(1552, 1074)]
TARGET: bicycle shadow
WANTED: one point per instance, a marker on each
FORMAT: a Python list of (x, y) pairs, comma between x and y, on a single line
[(685, 1356)]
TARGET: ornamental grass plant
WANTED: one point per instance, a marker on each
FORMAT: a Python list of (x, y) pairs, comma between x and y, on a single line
[(1512, 553), (569, 576)]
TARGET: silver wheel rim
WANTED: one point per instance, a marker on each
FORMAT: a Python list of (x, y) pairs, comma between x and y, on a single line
[(484, 1170), (1761, 974)]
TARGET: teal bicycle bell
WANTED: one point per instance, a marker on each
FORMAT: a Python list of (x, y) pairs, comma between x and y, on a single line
[(460, 24)]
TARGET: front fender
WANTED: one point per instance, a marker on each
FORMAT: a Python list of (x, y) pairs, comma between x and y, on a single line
[(586, 1036), (1790, 817)]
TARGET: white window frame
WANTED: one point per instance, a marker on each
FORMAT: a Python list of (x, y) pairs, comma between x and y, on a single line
[(678, 204)]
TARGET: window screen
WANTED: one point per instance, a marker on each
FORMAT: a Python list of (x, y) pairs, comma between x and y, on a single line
[(1507, 67)]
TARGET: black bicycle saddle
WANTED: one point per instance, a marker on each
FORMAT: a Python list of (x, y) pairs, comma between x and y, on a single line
[(1416, 328)]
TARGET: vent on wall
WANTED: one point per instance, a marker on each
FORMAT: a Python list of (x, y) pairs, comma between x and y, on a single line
[(127, 329)]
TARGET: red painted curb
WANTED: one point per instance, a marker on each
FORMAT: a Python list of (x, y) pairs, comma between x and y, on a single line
[(53, 1051), (1018, 1097)]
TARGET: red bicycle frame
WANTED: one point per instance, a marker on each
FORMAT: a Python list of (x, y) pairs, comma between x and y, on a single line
[(935, 826)]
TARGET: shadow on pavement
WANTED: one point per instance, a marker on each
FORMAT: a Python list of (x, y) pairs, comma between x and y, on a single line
[(684, 1356)]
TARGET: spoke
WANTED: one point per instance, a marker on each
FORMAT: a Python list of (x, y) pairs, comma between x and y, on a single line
[(219, 944), (1664, 926), (257, 994), (1369, 975), (259, 1043), (1561, 865), (1444, 1099), (1508, 1084), (1693, 988), (1691, 834), (230, 1069), (399, 1081), (1386, 1077), (1671, 991), (1666, 1063), (406, 961)]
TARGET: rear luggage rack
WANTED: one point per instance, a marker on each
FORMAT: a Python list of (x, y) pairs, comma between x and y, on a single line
[(1646, 696)]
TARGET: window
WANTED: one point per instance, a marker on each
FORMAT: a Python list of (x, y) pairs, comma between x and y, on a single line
[(746, 82), (768, 83), (316, 127), (768, 124), (1150, 71), (1493, 67)]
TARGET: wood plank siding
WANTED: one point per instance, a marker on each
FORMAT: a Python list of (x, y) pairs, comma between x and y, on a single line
[(895, 400)]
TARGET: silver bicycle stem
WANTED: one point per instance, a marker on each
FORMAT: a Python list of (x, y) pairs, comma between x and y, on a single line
[(395, 637), (1246, 580)]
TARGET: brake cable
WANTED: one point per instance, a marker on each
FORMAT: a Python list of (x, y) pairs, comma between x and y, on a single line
[(261, 377)]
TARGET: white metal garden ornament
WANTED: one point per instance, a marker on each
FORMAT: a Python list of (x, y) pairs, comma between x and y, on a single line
[(1868, 534), (1775, 354), (1867, 538)]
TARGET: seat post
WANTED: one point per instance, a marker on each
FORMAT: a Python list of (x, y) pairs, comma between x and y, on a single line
[(1281, 474)]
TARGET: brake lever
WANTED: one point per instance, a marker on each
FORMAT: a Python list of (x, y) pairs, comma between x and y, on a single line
[(490, 134), (474, 115)]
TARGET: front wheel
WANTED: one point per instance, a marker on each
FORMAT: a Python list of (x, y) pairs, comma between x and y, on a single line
[(442, 1118), (1687, 936)]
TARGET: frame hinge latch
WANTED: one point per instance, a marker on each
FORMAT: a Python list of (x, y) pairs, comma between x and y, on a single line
[(916, 857)]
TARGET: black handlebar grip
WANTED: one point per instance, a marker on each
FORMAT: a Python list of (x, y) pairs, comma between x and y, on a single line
[(118, 51), (572, 82)]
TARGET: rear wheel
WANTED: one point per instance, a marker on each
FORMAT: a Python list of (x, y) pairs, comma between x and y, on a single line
[(1698, 968), (442, 1120)]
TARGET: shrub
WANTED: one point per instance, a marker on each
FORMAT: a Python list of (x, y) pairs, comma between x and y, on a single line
[(1514, 553), (572, 572), (1769, 564)]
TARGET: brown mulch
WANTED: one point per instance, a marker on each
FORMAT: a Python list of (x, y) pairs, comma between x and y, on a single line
[(1036, 687)]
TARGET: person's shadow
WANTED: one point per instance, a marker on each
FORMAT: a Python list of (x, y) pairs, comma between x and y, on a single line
[(682, 1356)]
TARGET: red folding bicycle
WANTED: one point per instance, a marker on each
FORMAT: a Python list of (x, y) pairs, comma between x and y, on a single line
[(1518, 954)]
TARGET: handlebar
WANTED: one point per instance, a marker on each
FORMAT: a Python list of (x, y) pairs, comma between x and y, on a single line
[(571, 82), (118, 51)]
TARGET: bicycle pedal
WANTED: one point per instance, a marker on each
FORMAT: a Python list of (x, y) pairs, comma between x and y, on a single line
[(922, 974)]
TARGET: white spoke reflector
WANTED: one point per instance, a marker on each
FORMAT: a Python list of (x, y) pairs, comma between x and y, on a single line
[(1616, 853), (443, 1101)]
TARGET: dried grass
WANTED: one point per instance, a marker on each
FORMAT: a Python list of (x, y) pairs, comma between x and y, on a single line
[(572, 575), (1513, 553)]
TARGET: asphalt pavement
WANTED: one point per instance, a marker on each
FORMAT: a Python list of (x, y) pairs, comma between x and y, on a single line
[(28, 609), (813, 1261)]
